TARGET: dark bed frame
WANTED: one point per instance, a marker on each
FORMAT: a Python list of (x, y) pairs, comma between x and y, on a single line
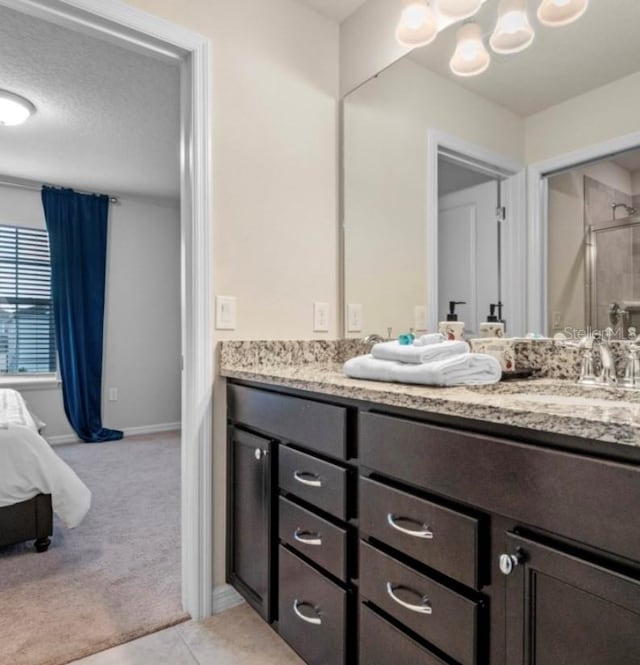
[(27, 520)]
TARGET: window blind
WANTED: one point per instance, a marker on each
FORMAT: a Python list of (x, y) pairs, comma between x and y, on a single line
[(27, 337)]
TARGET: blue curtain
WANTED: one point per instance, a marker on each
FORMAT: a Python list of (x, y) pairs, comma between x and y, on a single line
[(77, 226)]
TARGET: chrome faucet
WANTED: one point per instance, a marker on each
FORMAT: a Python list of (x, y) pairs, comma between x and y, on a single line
[(607, 374), (373, 339)]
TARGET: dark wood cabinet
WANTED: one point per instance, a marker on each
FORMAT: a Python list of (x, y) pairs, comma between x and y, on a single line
[(371, 535), (564, 609), (250, 561)]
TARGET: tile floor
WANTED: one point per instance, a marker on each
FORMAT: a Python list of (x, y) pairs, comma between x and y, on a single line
[(235, 637)]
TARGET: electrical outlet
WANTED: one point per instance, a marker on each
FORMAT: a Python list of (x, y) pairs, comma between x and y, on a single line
[(354, 318), (320, 317), (225, 313), (113, 394), (420, 317), (556, 320)]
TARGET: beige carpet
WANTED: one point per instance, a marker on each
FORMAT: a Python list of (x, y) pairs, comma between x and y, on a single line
[(113, 578)]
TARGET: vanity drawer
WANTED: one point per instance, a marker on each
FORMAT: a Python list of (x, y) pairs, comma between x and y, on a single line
[(433, 611), (320, 483), (550, 489), (316, 538), (439, 537), (383, 644), (312, 612), (315, 425)]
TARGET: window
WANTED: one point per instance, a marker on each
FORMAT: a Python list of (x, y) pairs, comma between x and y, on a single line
[(27, 338)]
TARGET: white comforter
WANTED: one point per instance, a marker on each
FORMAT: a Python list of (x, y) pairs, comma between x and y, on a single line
[(29, 466)]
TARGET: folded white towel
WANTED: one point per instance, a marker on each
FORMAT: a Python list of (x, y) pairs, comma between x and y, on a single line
[(469, 369), (426, 340), (418, 354)]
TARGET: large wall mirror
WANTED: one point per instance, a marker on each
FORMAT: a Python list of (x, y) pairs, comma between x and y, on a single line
[(439, 183)]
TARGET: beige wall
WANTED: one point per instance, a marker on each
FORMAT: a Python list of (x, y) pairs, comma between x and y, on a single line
[(368, 43), (600, 115), (275, 90), (386, 129)]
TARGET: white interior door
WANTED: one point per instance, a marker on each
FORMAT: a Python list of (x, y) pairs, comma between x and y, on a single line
[(468, 253)]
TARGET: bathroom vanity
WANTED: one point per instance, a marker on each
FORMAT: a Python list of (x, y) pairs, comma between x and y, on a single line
[(379, 523)]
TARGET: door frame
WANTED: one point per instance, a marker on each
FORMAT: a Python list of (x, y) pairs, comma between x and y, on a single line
[(125, 25), (538, 216), (514, 233)]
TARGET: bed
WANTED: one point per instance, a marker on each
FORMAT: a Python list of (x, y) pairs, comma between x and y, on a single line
[(34, 481)]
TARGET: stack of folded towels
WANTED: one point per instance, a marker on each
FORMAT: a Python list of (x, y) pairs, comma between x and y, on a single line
[(429, 360)]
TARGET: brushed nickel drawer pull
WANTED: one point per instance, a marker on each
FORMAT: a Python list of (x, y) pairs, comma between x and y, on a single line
[(423, 608), (425, 532), (313, 482), (316, 621), (307, 537)]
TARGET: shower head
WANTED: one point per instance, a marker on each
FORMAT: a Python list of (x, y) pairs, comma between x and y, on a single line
[(630, 211)]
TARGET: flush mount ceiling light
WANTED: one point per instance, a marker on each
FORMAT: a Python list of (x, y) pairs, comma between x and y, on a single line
[(14, 109), (556, 13), (471, 57), (418, 25), (513, 31), (458, 9)]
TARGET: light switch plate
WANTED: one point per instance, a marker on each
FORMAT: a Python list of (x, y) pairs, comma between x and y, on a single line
[(354, 318), (225, 313), (320, 317)]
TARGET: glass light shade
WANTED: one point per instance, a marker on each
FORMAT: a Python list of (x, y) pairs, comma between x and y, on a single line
[(459, 9), (556, 13), (471, 57), (14, 110), (418, 25), (513, 31)]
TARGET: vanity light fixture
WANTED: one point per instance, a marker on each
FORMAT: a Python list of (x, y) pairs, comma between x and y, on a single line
[(418, 25), (556, 13), (471, 57), (513, 31), (421, 20), (459, 9), (14, 109)]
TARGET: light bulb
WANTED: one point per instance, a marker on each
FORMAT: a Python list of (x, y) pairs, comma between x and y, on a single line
[(471, 57), (418, 25), (556, 13), (459, 9), (513, 32), (14, 110)]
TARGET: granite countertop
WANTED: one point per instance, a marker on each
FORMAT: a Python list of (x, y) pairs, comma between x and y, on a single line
[(547, 405)]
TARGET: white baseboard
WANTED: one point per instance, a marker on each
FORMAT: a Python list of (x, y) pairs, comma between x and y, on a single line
[(225, 597), (128, 431)]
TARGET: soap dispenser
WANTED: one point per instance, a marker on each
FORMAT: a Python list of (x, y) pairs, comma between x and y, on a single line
[(492, 327), (452, 328)]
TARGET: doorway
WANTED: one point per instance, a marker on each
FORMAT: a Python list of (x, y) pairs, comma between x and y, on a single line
[(475, 233), (137, 30)]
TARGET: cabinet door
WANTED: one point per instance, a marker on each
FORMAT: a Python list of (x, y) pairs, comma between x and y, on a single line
[(250, 529), (563, 609)]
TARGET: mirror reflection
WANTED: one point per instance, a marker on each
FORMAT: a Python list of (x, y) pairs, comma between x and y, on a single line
[(436, 191)]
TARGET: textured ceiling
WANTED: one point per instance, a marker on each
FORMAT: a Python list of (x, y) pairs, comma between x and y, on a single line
[(107, 118), (600, 47), (338, 10)]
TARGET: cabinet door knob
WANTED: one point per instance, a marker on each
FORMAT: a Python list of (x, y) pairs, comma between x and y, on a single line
[(510, 561), (259, 453)]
